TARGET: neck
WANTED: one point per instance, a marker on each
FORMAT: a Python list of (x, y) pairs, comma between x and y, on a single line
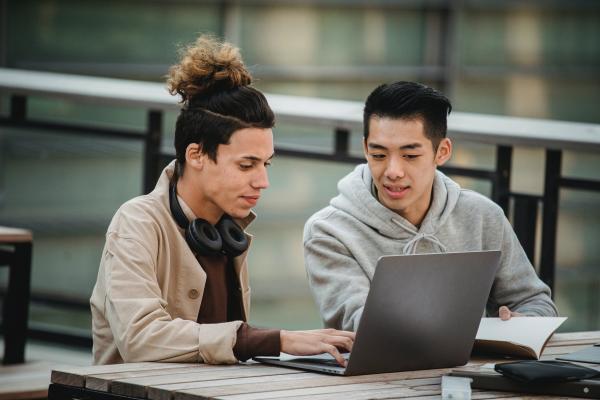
[(417, 214), (188, 189)]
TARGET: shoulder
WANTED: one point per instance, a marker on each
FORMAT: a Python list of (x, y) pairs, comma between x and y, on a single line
[(323, 216), (138, 217), (324, 223), (473, 202)]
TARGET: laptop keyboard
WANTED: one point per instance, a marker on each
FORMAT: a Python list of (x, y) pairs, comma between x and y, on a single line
[(324, 361)]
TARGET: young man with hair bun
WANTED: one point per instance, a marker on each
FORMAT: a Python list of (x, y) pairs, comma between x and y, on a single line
[(173, 279)]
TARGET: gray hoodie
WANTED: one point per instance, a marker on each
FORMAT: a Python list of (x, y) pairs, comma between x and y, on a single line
[(343, 241)]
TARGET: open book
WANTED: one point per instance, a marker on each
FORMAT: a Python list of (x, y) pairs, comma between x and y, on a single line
[(522, 337)]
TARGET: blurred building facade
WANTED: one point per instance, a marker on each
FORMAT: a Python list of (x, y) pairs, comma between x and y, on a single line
[(522, 58)]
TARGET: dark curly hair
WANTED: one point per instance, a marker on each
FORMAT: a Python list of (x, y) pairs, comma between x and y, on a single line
[(216, 95)]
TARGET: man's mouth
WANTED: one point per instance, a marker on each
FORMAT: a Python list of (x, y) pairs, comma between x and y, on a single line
[(396, 191), (251, 200)]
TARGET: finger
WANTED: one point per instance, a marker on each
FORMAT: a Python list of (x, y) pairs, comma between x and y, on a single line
[(335, 332), (347, 334), (340, 342), (335, 354), (504, 313)]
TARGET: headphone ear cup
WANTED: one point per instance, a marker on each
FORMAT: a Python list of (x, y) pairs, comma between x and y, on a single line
[(203, 238), (235, 241)]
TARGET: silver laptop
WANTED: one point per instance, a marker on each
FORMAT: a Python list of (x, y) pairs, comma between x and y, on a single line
[(422, 312)]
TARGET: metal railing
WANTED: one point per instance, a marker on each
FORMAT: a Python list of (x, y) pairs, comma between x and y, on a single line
[(339, 117)]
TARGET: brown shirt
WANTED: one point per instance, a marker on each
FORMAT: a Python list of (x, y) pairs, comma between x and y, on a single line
[(222, 302)]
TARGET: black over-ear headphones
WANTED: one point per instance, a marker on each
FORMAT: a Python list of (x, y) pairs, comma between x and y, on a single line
[(226, 237)]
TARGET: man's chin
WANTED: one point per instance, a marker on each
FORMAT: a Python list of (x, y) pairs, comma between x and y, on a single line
[(240, 214), (398, 206)]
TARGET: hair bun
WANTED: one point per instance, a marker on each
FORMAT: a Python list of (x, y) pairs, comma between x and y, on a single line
[(207, 66)]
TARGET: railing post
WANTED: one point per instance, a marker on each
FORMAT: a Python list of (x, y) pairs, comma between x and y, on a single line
[(152, 150), (550, 217), (16, 304), (524, 222), (18, 108), (501, 182), (342, 142)]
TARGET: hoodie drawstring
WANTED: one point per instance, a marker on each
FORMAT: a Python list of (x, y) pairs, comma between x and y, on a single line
[(411, 246)]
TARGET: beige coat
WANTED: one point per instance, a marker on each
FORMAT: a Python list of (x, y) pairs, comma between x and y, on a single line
[(149, 289)]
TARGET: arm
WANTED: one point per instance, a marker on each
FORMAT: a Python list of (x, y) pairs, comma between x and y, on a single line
[(517, 285), (338, 283), (142, 327)]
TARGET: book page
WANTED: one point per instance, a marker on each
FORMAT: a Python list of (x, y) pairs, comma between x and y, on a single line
[(529, 332)]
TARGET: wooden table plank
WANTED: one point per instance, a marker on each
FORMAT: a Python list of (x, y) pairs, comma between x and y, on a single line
[(371, 390), (75, 376), (102, 382), (170, 391), (221, 389), (138, 387)]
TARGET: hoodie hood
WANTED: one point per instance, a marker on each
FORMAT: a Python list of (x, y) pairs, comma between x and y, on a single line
[(356, 198)]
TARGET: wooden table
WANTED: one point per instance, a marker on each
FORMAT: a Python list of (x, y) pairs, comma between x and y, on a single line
[(163, 381), (15, 252)]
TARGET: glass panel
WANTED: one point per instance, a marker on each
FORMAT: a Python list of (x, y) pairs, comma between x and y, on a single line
[(75, 35), (578, 260), (528, 36), (65, 188), (310, 35)]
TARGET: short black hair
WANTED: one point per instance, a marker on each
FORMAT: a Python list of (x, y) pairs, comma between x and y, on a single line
[(409, 100)]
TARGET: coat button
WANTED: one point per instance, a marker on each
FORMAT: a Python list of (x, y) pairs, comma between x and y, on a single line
[(193, 294)]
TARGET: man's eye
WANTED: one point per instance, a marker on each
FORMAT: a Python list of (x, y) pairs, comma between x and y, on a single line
[(411, 156), (378, 156), (268, 164), (245, 166)]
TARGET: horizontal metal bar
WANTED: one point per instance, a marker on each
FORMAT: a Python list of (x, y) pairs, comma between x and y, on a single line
[(468, 172), (331, 114), (316, 155), (52, 299), (73, 129), (69, 337), (582, 184), (303, 152), (47, 333)]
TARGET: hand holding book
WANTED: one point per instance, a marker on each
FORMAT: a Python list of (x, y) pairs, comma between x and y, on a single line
[(518, 337)]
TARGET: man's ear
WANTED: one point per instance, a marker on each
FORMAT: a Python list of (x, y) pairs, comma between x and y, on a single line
[(365, 149), (444, 152), (194, 157)]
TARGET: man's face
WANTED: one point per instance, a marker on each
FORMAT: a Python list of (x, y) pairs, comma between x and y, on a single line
[(233, 184), (403, 163)]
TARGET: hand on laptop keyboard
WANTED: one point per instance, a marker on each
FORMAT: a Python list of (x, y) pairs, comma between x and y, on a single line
[(305, 343)]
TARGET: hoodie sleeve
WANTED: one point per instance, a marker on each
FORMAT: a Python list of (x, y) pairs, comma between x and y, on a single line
[(338, 283), (517, 285)]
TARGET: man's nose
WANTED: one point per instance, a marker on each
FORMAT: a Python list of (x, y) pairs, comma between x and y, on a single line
[(261, 180), (394, 169)]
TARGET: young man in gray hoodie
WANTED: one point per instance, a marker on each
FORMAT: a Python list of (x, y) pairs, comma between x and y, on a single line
[(399, 203)]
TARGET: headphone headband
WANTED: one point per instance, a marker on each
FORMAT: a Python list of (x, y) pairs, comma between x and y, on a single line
[(176, 209)]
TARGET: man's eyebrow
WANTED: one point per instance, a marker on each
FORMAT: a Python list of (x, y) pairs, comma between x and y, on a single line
[(376, 146), (255, 158), (411, 146)]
